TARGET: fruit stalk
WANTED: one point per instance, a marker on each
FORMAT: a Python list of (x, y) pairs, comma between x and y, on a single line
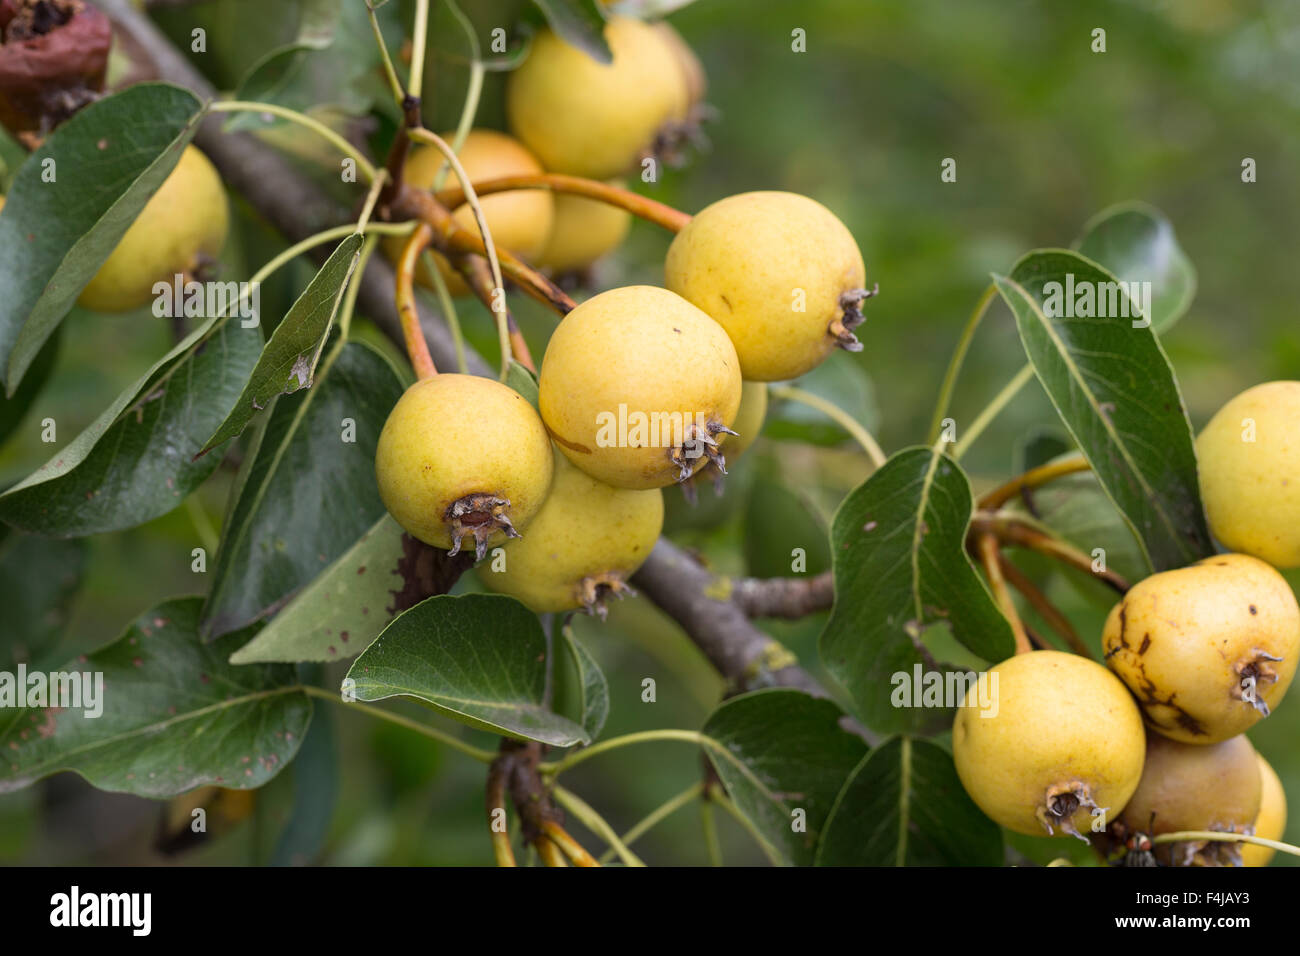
[(1033, 478), (417, 349), (650, 210), (496, 802), (1010, 531), (477, 277), (1040, 602), (986, 546)]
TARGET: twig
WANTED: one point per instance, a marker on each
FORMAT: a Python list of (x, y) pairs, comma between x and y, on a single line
[(648, 209), (986, 546), (790, 598), (1039, 601)]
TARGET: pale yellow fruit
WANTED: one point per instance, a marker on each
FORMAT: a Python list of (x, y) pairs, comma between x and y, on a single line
[(749, 420), (594, 119), (771, 268), (1196, 787), (1250, 473), (584, 230), (181, 229), (1065, 738), (520, 220), (1271, 822), (1208, 649), (697, 82), (583, 545), (629, 377), (462, 439)]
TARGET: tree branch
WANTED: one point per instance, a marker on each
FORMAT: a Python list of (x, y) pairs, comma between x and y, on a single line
[(791, 598), (742, 653)]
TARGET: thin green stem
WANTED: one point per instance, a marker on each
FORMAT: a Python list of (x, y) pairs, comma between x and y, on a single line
[(469, 750), (394, 83), (419, 39), (716, 795), (448, 307), (656, 816), (958, 359), (499, 289), (597, 824), (1184, 836), (1000, 401), (246, 106), (712, 847), (613, 743), (836, 414)]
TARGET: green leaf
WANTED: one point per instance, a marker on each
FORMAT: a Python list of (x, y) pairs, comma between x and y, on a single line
[(306, 491), (522, 381), (904, 806), (38, 580), (1039, 446), (1115, 391), (13, 410), (581, 692), (108, 159), (288, 362), (175, 716), (578, 23), (783, 751), (275, 77), (344, 609), (479, 659), (778, 520), (135, 462), (1136, 243), (843, 382), (900, 565)]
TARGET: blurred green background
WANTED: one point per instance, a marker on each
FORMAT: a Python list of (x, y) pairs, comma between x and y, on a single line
[(1045, 133)]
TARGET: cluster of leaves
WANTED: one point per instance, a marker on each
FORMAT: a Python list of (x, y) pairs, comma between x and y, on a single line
[(202, 690)]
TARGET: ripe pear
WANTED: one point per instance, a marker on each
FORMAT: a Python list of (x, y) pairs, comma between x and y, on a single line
[(1062, 749), (583, 231), (1250, 473), (779, 272), (463, 456), (1196, 787), (594, 119), (637, 386), (583, 545), (180, 230), (520, 220), (1209, 649), (1271, 822)]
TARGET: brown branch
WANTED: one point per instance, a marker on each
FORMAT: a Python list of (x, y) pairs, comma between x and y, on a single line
[(790, 598), (650, 210)]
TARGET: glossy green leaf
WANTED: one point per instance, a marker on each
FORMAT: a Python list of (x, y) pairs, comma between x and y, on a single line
[(306, 491), (479, 659), (578, 23), (316, 785), (288, 362), (38, 581), (175, 715), (106, 161), (136, 461), (905, 806), (581, 692), (1136, 243), (784, 757), (1115, 391), (900, 565)]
